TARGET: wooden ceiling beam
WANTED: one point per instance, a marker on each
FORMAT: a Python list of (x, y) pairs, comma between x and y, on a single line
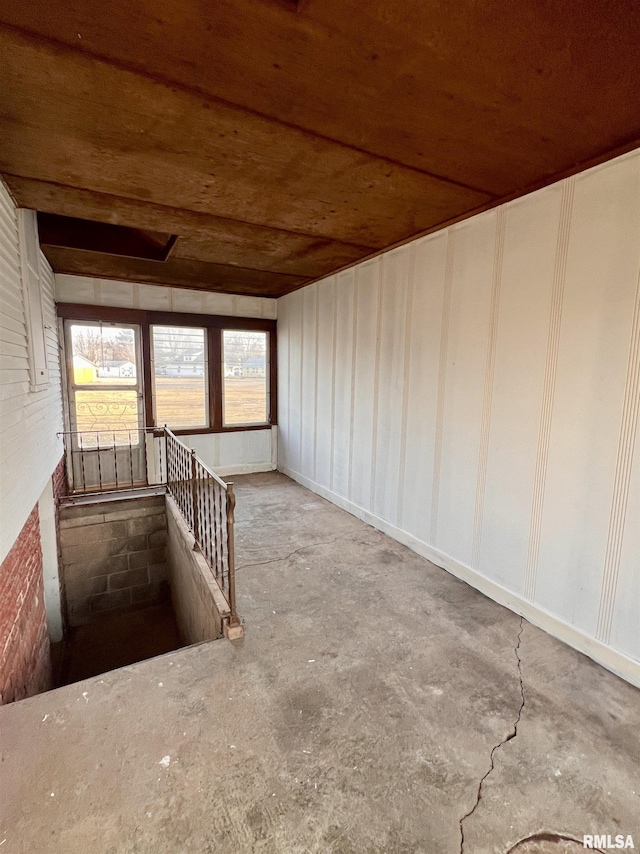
[(174, 272), (202, 236)]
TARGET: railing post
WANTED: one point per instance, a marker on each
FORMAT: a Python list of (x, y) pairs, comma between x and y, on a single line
[(194, 498), (231, 555)]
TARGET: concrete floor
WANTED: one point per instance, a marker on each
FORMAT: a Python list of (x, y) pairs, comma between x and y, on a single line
[(371, 708)]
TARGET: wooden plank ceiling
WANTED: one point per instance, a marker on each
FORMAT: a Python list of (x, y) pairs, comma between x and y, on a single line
[(261, 144)]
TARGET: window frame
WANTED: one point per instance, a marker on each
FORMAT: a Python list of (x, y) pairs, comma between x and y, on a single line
[(224, 378), (207, 370), (214, 325), (71, 387)]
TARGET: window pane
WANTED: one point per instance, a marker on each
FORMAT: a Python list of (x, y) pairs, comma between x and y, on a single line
[(108, 417), (103, 355), (246, 372), (179, 368)]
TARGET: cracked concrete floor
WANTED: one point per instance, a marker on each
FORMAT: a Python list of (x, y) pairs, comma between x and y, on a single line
[(376, 705)]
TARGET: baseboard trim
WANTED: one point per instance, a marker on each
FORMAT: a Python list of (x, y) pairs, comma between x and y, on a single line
[(613, 660), (248, 468)]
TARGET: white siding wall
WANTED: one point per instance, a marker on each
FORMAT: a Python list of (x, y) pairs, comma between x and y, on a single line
[(476, 395), (29, 447)]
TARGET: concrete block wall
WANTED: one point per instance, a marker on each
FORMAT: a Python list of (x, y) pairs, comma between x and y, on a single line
[(113, 556), (25, 656), (198, 603)]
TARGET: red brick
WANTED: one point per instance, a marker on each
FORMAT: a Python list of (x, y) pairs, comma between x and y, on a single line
[(25, 658)]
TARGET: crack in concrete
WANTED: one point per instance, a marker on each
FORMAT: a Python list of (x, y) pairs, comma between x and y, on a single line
[(295, 552), (497, 747)]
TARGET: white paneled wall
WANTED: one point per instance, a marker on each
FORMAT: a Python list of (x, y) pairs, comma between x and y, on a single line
[(239, 452), (476, 394), (84, 290), (29, 447)]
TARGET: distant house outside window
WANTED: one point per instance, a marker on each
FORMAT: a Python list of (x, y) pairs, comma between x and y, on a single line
[(245, 388), (179, 371)]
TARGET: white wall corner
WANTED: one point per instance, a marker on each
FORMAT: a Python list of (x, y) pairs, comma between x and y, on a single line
[(50, 569)]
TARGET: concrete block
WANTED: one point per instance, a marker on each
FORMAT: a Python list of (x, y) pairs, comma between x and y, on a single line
[(158, 555), (158, 572), (156, 592), (131, 513), (81, 587), (81, 511), (103, 549), (127, 508), (100, 566), (147, 557), (80, 534), (128, 544), (110, 601), (138, 559), (146, 524), (80, 521), (158, 538), (130, 578)]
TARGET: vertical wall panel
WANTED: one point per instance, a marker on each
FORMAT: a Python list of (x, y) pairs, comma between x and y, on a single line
[(284, 384), (421, 383), (599, 296), (625, 632), (523, 330), (325, 380), (465, 368), (475, 393), (364, 390), (343, 380), (309, 380), (295, 336), (392, 346)]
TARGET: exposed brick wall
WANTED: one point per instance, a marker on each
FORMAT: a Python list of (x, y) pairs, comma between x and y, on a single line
[(113, 556), (59, 481), (25, 655)]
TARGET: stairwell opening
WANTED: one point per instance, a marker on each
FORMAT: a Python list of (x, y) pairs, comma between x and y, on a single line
[(133, 584)]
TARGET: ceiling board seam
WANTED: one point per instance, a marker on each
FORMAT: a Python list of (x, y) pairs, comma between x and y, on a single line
[(233, 267), (201, 93), (625, 148), (217, 217)]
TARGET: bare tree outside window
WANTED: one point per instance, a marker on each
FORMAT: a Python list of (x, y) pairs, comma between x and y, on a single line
[(241, 347), (87, 342)]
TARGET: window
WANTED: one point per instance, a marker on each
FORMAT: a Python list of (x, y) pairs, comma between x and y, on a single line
[(105, 396), (194, 373), (246, 368), (179, 372)]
